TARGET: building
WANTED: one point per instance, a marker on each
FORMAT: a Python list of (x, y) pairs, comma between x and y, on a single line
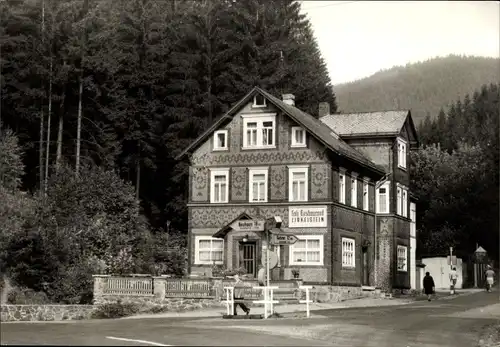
[(266, 158)]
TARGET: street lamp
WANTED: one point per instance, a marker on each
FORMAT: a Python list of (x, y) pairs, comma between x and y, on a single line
[(245, 238)]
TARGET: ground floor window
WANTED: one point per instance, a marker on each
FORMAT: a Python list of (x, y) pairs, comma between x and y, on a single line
[(208, 250), (348, 252), (402, 257), (308, 250)]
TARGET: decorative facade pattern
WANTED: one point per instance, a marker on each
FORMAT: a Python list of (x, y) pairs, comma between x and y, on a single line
[(217, 217), (385, 258), (239, 181), (200, 184), (258, 158), (320, 177), (278, 180)]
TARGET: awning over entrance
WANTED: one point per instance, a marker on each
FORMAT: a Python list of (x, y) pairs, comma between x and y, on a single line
[(243, 222)]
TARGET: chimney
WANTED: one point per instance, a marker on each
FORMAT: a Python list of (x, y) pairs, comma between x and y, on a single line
[(289, 99), (324, 109)]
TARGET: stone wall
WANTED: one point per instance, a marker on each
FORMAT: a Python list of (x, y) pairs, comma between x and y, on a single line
[(165, 304), (334, 293), (13, 313)]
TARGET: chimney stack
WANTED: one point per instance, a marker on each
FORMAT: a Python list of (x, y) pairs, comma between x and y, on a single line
[(289, 99), (324, 109)]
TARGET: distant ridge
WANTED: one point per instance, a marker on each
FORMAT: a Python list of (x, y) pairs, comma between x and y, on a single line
[(422, 87)]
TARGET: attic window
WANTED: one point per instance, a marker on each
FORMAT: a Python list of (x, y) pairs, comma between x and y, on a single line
[(298, 137), (220, 140), (401, 153), (259, 101)]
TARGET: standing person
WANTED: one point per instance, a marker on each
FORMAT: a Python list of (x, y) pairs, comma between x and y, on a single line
[(490, 276), (428, 285), (453, 278), (239, 288)]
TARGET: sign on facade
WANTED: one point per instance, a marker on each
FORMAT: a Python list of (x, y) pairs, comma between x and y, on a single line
[(248, 225), (307, 217), (283, 239)]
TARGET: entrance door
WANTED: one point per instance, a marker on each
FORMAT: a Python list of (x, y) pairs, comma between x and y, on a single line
[(365, 279), (248, 257)]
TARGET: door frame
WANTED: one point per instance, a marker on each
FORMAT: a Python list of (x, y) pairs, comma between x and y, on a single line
[(241, 244)]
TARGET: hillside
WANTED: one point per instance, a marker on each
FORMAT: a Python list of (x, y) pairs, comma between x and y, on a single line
[(422, 87)]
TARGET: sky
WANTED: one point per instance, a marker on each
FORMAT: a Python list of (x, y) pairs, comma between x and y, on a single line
[(359, 38)]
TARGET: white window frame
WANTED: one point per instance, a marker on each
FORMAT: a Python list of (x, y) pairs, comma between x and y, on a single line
[(352, 242), (260, 119), (216, 135), (387, 186), (218, 172), (294, 143), (342, 186), (197, 260), (319, 237), (255, 105), (251, 173), (399, 198), (404, 200), (354, 189), (298, 169), (366, 194), (402, 147), (400, 251)]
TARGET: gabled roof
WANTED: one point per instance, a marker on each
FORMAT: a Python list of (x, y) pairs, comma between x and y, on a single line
[(387, 123), (222, 232), (312, 125)]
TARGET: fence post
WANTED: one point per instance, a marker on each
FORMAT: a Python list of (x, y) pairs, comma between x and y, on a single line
[(229, 300), (306, 301), (99, 283), (159, 283)]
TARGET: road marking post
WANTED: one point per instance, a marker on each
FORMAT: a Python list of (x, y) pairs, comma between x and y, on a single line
[(229, 300), (151, 343), (306, 301), (268, 299)]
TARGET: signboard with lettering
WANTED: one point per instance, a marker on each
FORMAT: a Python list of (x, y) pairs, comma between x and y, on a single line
[(283, 239), (307, 217), (248, 225)]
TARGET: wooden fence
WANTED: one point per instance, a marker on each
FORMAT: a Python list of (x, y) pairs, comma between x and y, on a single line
[(189, 288), (133, 286)]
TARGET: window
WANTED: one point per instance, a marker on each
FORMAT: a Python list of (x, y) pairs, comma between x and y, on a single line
[(354, 190), (399, 204), (259, 131), (402, 256), (220, 140), (258, 185), (298, 186), (342, 186), (348, 252), (401, 153), (259, 101), (298, 137), (208, 250), (219, 186), (365, 195), (405, 203), (308, 250), (383, 198)]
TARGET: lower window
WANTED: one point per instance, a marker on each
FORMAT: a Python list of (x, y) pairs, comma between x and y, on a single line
[(308, 250), (208, 250), (402, 256)]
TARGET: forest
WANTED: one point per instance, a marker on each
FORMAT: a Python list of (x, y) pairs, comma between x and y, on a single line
[(424, 87), (99, 96)]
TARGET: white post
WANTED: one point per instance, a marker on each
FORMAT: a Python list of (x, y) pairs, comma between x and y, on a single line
[(229, 300), (306, 301), (268, 294)]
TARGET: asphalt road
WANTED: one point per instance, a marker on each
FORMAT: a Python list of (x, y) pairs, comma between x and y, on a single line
[(457, 322)]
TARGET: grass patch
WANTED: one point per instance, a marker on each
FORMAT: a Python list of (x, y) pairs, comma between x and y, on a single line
[(115, 310), (490, 336)]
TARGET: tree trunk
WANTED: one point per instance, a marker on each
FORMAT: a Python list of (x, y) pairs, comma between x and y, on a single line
[(138, 173), (61, 125), (40, 142), (49, 115), (79, 124)]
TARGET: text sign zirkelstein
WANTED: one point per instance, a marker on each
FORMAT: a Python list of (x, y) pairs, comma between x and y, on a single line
[(307, 217)]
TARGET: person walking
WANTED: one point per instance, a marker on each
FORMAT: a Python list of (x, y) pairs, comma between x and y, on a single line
[(239, 290), (428, 285), (490, 276), (453, 279)]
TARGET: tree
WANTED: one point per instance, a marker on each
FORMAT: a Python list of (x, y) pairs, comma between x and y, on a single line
[(11, 161)]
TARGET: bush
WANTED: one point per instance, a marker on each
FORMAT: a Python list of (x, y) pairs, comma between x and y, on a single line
[(115, 310), (26, 296)]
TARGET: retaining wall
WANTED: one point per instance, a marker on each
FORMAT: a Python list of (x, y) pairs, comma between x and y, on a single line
[(13, 313)]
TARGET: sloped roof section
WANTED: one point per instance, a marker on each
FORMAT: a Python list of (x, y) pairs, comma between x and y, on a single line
[(316, 128), (368, 123)]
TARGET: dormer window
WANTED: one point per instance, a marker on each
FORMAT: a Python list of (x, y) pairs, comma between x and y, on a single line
[(401, 153), (298, 137), (220, 140), (259, 101)]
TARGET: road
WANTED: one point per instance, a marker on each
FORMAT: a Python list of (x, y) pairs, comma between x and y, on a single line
[(457, 322)]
